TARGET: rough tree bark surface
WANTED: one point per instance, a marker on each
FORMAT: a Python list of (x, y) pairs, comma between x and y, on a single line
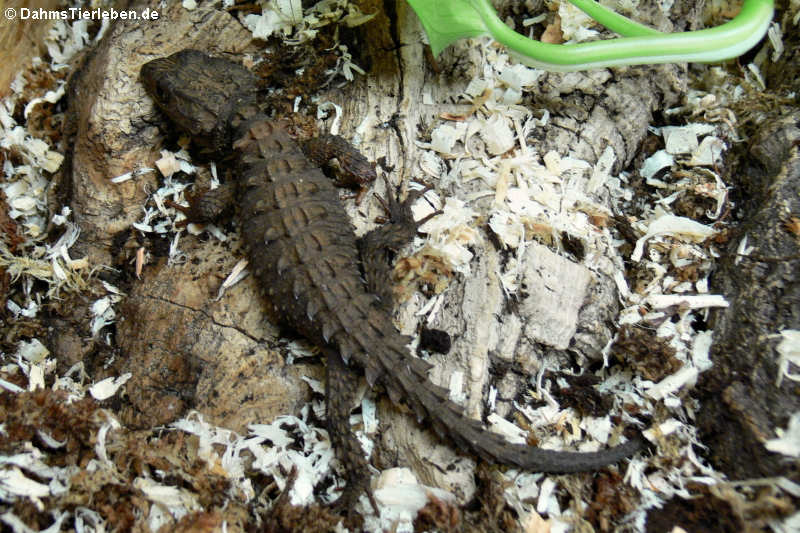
[(186, 351), (183, 349), (747, 398)]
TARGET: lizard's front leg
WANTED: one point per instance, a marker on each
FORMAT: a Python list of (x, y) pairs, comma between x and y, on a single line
[(209, 205), (356, 171)]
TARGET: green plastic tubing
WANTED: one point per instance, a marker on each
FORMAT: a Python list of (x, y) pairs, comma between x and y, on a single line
[(446, 21)]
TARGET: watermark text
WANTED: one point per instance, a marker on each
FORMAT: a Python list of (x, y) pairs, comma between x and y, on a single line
[(77, 13)]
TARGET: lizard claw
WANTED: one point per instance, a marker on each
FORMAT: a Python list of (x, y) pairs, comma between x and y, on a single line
[(188, 211), (400, 212), (347, 501)]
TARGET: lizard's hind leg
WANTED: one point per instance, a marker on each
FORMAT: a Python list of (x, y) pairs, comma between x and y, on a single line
[(377, 248), (339, 396)]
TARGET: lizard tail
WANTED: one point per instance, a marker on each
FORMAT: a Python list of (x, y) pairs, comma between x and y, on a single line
[(409, 379)]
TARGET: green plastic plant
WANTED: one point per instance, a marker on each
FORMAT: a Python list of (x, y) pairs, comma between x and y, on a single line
[(446, 21)]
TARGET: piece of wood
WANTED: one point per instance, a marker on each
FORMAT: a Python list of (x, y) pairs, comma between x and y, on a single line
[(387, 112)]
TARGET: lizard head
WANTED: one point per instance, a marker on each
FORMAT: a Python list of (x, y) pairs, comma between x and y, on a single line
[(203, 95)]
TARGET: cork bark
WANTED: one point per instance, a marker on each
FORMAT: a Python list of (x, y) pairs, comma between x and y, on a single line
[(186, 351)]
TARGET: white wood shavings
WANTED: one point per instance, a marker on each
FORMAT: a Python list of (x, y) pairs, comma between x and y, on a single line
[(50, 97), (683, 139), (575, 23), (312, 463), (547, 502), (315, 385), (708, 153), (36, 373), (451, 233), (103, 311), (208, 436), (106, 388), (178, 501), (49, 441), (656, 162), (667, 427), (14, 484), (519, 76), (273, 19), (87, 521), (433, 312), (598, 428), (33, 151), (552, 161), (679, 140), (701, 349), (456, 387), (776, 40), (237, 274), (675, 226), (400, 497), (544, 416), (602, 170), (346, 65), (369, 415), (788, 354), (685, 377), (502, 184), (790, 524), (133, 174), (742, 250), (288, 18), (700, 301), (100, 446), (444, 137), (508, 227), (324, 109), (33, 351), (356, 18), (789, 486), (498, 135), (513, 433), (527, 485), (788, 440), (756, 73), (171, 162), (10, 387), (510, 97)]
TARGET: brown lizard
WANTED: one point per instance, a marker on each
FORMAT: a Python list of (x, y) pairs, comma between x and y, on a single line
[(303, 250)]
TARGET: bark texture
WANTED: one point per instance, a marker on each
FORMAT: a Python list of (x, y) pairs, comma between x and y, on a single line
[(397, 102), (746, 399)]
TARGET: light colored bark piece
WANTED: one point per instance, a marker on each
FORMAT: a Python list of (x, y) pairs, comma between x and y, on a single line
[(556, 289), (185, 350)]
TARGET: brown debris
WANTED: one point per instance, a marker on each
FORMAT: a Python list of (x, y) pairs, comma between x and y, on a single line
[(650, 355), (489, 512), (109, 490), (612, 499), (438, 515), (582, 396), (702, 514)]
